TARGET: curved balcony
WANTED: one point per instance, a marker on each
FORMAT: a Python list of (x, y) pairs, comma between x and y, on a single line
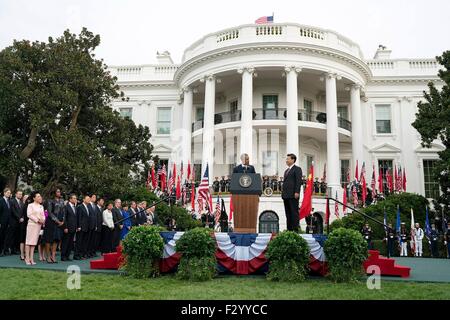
[(273, 114)]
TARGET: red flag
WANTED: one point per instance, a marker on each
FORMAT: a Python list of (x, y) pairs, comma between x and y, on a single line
[(178, 190), (193, 197), (305, 209), (356, 171), (189, 170), (389, 181), (231, 208), (324, 177), (373, 184), (355, 196), (336, 207), (163, 178), (154, 184), (364, 190), (344, 201), (404, 179), (395, 179), (327, 212), (380, 182), (147, 183), (174, 172)]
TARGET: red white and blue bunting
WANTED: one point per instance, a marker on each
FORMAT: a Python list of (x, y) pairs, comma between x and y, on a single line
[(243, 253)]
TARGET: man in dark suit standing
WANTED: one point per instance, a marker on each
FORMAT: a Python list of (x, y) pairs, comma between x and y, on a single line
[(82, 235), (5, 216), (93, 227), (118, 225), (12, 232), (291, 192), (244, 167), (98, 231), (69, 227)]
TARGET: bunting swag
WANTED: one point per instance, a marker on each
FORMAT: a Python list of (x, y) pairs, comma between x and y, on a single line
[(243, 253)]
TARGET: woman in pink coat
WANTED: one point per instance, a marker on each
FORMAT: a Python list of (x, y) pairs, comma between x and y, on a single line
[(36, 219)]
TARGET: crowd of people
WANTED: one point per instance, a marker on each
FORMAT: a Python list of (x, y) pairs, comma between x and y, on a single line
[(80, 226)]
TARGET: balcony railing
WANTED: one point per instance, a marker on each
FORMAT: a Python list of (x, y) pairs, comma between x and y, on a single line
[(273, 114)]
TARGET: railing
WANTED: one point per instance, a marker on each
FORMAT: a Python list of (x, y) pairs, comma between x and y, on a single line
[(273, 114)]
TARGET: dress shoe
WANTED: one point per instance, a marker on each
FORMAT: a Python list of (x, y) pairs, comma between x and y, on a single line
[(76, 258)]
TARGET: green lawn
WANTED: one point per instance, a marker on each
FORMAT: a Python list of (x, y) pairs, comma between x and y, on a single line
[(39, 284)]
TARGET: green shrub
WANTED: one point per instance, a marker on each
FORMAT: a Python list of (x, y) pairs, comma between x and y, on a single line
[(142, 249), (345, 250), (288, 256), (198, 261)]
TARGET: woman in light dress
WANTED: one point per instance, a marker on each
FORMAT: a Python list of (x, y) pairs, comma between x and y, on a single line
[(36, 218)]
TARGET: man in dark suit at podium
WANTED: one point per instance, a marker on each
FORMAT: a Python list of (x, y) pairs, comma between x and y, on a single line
[(292, 181), (244, 167)]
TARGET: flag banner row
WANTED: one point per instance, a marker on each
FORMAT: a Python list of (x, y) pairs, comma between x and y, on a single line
[(243, 253)]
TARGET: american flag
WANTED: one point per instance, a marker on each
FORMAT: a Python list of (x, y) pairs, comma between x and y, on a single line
[(159, 170), (171, 182), (203, 189), (163, 177), (265, 19), (373, 184), (399, 181), (355, 196), (348, 175), (217, 211)]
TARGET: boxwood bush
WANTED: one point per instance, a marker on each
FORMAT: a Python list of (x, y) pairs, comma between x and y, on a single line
[(288, 256), (198, 261), (142, 249), (345, 250)]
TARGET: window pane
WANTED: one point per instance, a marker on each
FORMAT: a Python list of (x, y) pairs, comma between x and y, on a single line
[(126, 112), (309, 161), (163, 123), (383, 126), (308, 109), (345, 164), (270, 101), (343, 112), (199, 114), (431, 184), (164, 114), (383, 118)]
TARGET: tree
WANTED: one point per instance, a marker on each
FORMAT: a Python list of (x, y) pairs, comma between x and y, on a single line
[(57, 128), (433, 122)]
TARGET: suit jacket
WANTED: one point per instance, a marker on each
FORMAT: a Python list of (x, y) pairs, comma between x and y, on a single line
[(92, 217), (117, 215), (292, 182), (240, 169), (16, 209), (70, 218), (5, 211), (134, 217), (82, 218), (99, 216)]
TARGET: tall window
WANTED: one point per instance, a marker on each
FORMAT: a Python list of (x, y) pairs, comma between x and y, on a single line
[(308, 109), (198, 173), (345, 165), (270, 163), (431, 184), (163, 121), (199, 112), (233, 106), (384, 166), (342, 112), (383, 118), (270, 106), (126, 112), (309, 161)]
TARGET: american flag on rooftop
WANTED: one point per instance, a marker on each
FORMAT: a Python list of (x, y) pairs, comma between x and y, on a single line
[(265, 19)]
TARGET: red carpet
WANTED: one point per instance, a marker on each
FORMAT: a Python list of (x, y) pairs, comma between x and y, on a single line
[(108, 260), (387, 265)]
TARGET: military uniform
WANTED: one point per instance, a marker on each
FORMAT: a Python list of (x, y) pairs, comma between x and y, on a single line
[(227, 184), (434, 236), (266, 183), (390, 242), (274, 184), (216, 185), (323, 187), (403, 243), (316, 186), (367, 234), (447, 241), (418, 236)]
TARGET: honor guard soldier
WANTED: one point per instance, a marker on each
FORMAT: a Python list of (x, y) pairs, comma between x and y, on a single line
[(216, 185), (367, 234), (266, 182), (390, 240), (304, 181), (434, 236), (227, 183), (280, 184), (418, 236), (222, 184), (274, 183), (403, 236), (447, 240), (323, 186), (316, 185)]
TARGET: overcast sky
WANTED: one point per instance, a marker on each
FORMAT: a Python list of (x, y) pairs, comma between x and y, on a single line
[(132, 31)]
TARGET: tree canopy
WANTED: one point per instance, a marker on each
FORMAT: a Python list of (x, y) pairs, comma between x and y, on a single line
[(57, 127), (433, 122)]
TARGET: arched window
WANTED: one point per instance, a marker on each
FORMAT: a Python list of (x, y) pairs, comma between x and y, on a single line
[(269, 222)]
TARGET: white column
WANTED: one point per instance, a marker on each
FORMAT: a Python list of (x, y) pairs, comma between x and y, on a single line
[(208, 126), (247, 111), (332, 134), (292, 110), (187, 125), (357, 132)]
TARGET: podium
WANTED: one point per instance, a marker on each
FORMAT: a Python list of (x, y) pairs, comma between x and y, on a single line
[(245, 189)]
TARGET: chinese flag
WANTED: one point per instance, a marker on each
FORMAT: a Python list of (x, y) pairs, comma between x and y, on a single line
[(178, 190), (305, 209), (153, 178), (404, 179), (380, 182), (231, 208), (344, 201), (356, 171), (193, 197)]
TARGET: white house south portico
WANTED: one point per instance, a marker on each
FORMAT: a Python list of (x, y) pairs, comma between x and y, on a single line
[(269, 90)]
